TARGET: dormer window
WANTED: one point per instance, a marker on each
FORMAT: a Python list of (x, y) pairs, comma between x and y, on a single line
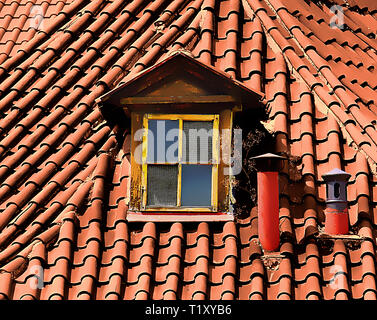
[(181, 117), (179, 166), (180, 162)]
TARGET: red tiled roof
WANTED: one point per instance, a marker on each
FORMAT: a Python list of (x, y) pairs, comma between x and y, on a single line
[(64, 172), (20, 21)]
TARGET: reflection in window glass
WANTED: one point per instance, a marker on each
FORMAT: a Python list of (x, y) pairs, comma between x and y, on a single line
[(196, 185), (163, 141)]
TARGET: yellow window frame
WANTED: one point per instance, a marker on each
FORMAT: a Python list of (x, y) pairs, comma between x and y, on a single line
[(215, 162)]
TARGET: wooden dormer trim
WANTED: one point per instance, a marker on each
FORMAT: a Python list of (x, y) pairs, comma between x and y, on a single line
[(209, 99), (177, 83)]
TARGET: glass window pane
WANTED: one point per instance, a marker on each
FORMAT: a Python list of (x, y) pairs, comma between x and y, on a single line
[(196, 185), (197, 143), (162, 181), (163, 141)]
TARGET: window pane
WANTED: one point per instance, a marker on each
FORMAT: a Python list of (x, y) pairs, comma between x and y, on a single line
[(162, 183), (163, 141), (196, 185), (197, 144)]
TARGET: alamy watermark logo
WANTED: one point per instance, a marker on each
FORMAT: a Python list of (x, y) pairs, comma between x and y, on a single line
[(197, 147), (36, 17), (337, 20), (36, 281), (337, 282)]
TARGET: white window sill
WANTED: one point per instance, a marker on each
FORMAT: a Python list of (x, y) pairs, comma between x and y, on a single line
[(184, 217)]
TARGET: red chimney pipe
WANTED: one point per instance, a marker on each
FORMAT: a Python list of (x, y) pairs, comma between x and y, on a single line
[(268, 210), (268, 200)]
